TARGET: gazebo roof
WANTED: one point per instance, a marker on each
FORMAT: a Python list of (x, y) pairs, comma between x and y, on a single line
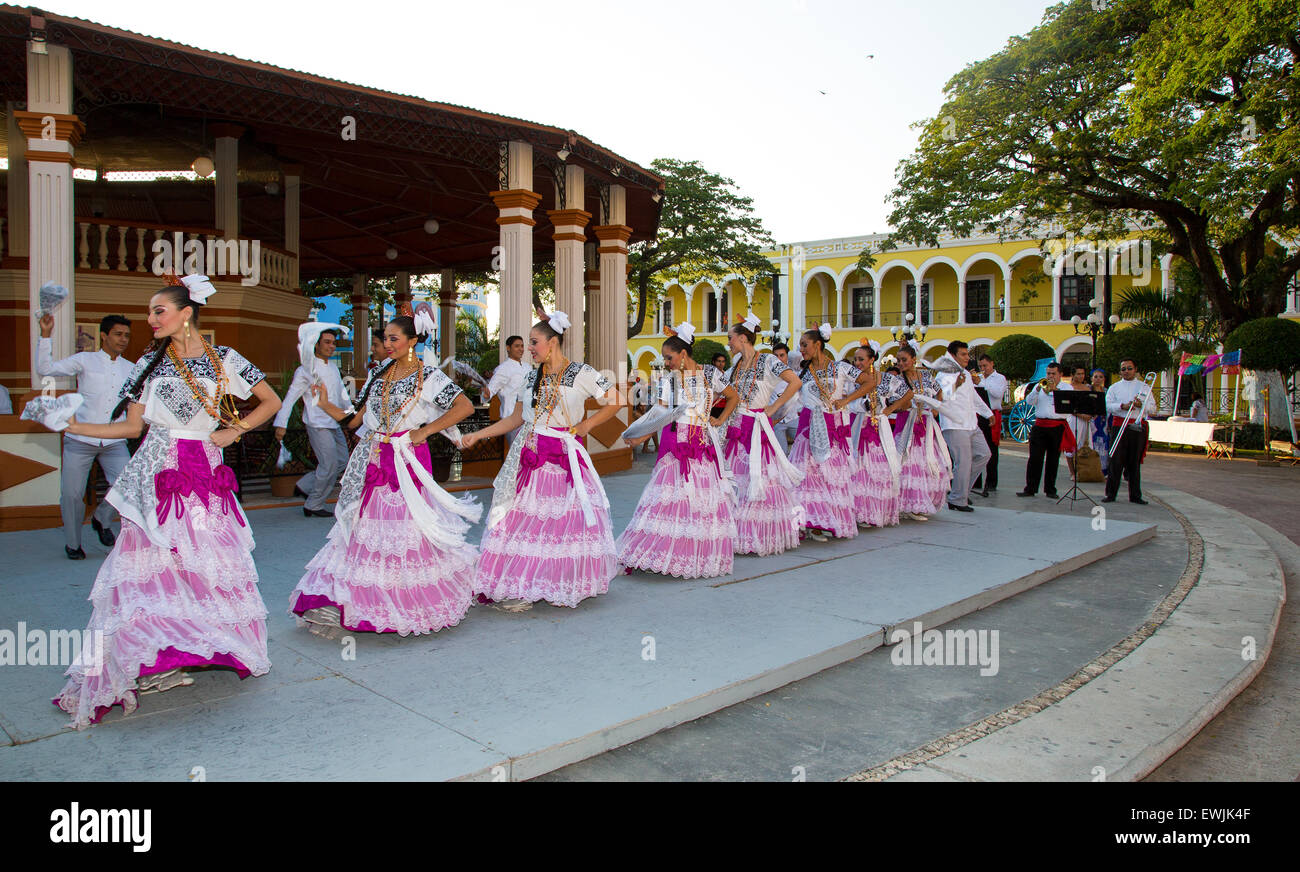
[(150, 104)]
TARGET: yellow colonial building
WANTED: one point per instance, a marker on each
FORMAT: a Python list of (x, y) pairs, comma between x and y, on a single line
[(974, 289)]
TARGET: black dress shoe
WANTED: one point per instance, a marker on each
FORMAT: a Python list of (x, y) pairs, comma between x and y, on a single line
[(1108, 499), (1026, 493), (1051, 493), (960, 508), (75, 555), (982, 493), (309, 513), (1140, 502), (299, 492), (106, 537)]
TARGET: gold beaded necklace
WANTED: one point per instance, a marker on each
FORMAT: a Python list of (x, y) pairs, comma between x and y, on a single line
[(824, 391), (550, 390), (221, 406), (752, 387), (385, 416)]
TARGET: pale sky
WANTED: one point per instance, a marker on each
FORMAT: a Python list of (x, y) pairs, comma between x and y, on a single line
[(734, 86)]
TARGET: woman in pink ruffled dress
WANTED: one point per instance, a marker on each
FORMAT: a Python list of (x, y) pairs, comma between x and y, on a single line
[(548, 533), (684, 524), (927, 468), (179, 589), (768, 520), (397, 560), (821, 443), (875, 489)]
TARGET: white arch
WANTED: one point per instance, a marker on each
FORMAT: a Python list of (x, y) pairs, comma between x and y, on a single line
[(974, 343), (815, 271), (927, 347), (850, 270), (1072, 341), (916, 279), (939, 258), (1022, 254), (982, 255)]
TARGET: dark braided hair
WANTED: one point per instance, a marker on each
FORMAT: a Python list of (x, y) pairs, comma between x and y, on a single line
[(179, 297), (811, 336), (549, 332)]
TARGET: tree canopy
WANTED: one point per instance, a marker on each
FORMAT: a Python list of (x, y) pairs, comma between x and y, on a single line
[(1177, 117), (707, 229), (1268, 343), (1016, 354), (1148, 351)]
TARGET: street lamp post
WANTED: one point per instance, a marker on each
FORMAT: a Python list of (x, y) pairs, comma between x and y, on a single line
[(1092, 325), (908, 331)]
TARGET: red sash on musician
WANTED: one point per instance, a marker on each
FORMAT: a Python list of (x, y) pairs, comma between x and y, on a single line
[(1068, 443), (995, 427)]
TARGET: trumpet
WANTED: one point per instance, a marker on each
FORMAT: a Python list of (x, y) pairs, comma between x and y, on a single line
[(1148, 383), (1045, 385)]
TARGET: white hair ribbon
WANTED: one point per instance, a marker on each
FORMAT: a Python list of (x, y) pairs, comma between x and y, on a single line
[(825, 332), (199, 288), (685, 331), (752, 322), (559, 321), (424, 324)]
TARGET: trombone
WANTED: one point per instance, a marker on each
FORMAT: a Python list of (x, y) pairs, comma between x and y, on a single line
[(1149, 382)]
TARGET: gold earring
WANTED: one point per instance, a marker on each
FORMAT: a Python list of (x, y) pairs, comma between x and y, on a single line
[(187, 329), (410, 354)]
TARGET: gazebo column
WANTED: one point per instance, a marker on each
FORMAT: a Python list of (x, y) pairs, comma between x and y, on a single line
[(226, 159), (570, 236), (52, 133), (402, 289), (591, 293), (516, 204), (18, 186), (609, 330), (360, 327), (447, 314), (292, 218)]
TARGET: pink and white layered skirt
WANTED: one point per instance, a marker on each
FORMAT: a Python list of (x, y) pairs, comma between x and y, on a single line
[(923, 482), (383, 574), (543, 548), (875, 499), (826, 492), (190, 602), (769, 523), (683, 524)]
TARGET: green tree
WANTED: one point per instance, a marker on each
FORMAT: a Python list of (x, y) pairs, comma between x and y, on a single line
[(1016, 355), (704, 350), (707, 229), (1176, 116), (1271, 348), (378, 290), (1149, 352), (1184, 319)]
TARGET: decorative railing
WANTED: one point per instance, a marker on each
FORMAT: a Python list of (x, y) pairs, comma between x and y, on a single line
[(105, 245)]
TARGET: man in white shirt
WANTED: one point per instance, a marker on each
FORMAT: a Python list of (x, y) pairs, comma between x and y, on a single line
[(995, 385), (100, 377), (790, 414), (324, 433), (1127, 394), (1199, 411), (961, 409), (1050, 434), (508, 378)]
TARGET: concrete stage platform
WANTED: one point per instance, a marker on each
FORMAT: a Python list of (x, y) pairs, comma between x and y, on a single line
[(512, 696)]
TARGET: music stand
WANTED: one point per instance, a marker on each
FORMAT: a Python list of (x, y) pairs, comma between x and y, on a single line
[(1077, 403)]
